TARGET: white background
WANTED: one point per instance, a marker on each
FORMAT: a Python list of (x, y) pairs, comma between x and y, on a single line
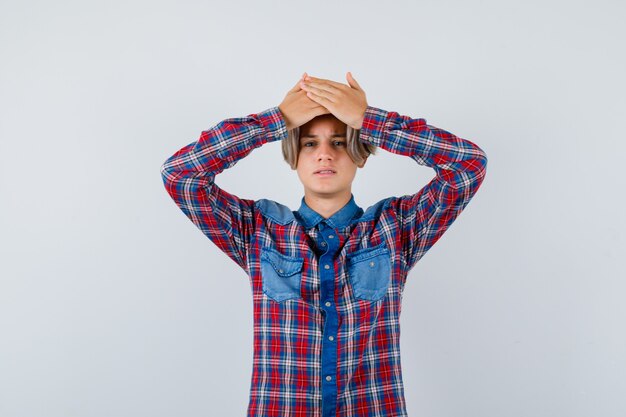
[(112, 303)]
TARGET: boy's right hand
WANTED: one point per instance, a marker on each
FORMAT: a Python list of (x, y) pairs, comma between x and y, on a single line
[(297, 108)]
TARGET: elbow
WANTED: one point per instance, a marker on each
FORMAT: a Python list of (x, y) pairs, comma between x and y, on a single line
[(168, 177)]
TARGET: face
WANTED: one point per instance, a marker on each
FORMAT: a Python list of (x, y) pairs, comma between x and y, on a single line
[(323, 146)]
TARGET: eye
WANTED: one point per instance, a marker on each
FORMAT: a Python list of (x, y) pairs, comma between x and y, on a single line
[(306, 144), (342, 143)]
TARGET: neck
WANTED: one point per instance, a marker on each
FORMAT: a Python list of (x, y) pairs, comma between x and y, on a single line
[(326, 206)]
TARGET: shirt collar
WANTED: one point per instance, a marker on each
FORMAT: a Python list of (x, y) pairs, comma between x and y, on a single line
[(339, 219)]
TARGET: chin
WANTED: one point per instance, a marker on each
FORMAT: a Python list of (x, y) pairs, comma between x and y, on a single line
[(326, 191)]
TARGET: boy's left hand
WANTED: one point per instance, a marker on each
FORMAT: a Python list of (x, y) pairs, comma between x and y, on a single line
[(346, 102)]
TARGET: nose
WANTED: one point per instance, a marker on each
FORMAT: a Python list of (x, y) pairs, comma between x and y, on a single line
[(325, 151)]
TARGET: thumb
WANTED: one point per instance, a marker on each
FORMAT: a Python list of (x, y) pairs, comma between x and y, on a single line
[(351, 81), (297, 87)]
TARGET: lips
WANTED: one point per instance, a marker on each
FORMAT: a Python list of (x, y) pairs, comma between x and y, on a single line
[(325, 171)]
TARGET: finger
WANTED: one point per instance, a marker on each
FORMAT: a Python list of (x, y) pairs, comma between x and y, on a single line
[(319, 99), (322, 80), (329, 95), (321, 86), (297, 87), (316, 107), (319, 110), (352, 82)]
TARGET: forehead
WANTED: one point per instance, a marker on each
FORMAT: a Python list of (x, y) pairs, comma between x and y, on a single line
[(323, 125)]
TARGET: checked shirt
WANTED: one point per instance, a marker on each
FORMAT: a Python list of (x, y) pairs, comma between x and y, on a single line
[(326, 292)]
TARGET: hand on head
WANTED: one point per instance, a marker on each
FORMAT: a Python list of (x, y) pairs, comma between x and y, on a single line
[(312, 97)]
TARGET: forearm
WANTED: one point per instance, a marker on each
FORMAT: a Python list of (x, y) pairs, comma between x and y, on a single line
[(224, 144), (459, 163), (460, 166), (189, 178)]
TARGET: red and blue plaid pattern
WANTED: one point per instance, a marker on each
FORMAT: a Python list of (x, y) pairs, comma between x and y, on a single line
[(326, 292)]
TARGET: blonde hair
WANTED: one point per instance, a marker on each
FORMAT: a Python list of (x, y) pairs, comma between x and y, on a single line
[(356, 149)]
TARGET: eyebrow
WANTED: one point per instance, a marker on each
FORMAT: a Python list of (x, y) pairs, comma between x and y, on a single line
[(335, 135)]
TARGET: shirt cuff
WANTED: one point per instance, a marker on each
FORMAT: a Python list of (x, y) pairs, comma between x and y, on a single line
[(273, 123), (373, 126)]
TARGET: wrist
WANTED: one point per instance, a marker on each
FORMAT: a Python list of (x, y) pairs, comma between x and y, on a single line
[(288, 123), (359, 122)]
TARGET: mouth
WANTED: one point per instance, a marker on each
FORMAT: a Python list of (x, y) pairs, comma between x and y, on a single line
[(325, 172)]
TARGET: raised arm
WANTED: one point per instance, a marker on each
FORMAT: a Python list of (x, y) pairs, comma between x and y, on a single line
[(189, 174), (189, 178), (460, 165)]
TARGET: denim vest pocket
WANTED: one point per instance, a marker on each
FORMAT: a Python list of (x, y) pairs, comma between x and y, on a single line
[(369, 271), (281, 275)]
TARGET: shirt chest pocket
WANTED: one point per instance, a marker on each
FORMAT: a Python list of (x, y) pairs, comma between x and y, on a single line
[(369, 271), (281, 275)]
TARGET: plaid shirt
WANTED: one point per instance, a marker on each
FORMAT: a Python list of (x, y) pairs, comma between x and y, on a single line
[(326, 292)]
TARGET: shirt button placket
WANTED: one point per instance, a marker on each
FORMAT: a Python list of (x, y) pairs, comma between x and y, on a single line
[(329, 347)]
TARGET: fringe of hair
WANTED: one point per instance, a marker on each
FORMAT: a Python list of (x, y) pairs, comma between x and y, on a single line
[(357, 149)]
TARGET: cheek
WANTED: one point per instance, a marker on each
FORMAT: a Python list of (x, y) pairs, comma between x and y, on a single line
[(351, 169), (302, 167)]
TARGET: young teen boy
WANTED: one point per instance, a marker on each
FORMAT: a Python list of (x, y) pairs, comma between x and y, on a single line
[(327, 279)]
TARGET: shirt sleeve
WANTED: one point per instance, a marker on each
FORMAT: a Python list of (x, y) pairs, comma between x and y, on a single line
[(459, 164), (189, 178)]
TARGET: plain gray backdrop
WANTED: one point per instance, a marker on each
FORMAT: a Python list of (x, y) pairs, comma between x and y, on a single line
[(113, 304)]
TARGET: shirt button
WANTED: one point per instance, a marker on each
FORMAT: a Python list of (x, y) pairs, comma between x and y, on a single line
[(328, 378), (330, 236), (326, 266), (323, 243), (372, 263), (328, 303), (331, 338), (280, 270)]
